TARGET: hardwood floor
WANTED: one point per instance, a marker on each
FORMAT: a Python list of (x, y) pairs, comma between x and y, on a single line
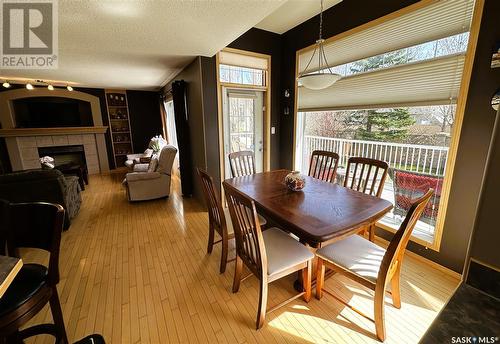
[(139, 273)]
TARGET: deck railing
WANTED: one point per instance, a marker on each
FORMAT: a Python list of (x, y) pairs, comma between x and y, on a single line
[(417, 158)]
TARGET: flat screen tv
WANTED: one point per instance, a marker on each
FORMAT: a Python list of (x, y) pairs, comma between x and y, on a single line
[(52, 112)]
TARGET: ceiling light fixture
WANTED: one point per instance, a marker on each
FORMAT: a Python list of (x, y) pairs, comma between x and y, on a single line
[(50, 87), (69, 88), (29, 86), (322, 76), (6, 84)]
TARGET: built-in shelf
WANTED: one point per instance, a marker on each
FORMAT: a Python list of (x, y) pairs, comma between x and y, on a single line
[(119, 125)]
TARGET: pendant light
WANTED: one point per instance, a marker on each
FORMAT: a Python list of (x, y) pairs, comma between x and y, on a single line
[(322, 76)]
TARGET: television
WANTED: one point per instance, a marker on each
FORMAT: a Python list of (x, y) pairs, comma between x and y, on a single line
[(52, 112)]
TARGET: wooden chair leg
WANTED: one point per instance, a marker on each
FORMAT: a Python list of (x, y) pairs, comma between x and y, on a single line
[(371, 233), (306, 281), (211, 236), (395, 290), (55, 308), (238, 267), (261, 312), (320, 278), (223, 258), (379, 315)]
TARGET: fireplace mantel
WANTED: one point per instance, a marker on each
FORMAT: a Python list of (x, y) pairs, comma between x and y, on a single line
[(20, 132)]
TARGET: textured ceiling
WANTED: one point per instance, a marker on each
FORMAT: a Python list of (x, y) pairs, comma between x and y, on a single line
[(293, 13), (139, 44)]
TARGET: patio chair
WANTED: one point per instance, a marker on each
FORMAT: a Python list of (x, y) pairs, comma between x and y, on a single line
[(409, 185)]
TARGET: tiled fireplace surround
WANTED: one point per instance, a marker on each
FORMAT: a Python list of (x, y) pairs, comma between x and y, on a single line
[(23, 143), (28, 148)]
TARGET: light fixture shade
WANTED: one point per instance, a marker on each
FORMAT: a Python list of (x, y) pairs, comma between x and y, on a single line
[(50, 87), (69, 88), (29, 86), (6, 84), (318, 81)]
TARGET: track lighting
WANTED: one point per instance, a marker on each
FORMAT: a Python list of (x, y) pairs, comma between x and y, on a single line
[(29, 86), (6, 84), (50, 87), (69, 88)]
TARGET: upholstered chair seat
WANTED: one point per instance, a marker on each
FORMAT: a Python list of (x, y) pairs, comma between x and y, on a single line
[(355, 254), (283, 251)]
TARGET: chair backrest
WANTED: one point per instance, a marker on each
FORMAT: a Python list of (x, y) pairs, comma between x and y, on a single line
[(323, 165), (397, 246), (166, 159), (242, 163), (248, 234), (366, 175), (214, 206), (35, 225)]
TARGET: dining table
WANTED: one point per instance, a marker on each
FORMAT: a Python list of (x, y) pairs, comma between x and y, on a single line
[(320, 213), (9, 268)]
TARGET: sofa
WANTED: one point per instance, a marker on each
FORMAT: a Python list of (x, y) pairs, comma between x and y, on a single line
[(151, 181), (43, 186)]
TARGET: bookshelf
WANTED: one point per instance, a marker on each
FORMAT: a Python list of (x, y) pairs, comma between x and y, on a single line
[(119, 126)]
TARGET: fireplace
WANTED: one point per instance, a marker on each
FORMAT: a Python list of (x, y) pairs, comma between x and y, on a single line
[(65, 155)]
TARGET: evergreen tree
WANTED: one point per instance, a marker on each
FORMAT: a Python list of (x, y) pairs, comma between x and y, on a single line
[(393, 58), (382, 125)]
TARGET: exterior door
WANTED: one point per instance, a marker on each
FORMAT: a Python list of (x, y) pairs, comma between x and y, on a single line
[(243, 119)]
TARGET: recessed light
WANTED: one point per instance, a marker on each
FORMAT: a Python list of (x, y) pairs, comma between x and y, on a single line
[(6, 84), (69, 88), (29, 86), (50, 87)]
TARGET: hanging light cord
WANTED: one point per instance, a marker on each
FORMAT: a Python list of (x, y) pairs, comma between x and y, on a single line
[(319, 47)]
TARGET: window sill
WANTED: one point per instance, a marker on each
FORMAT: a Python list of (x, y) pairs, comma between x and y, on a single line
[(420, 237)]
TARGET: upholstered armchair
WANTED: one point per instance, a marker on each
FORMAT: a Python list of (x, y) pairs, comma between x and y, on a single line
[(151, 181)]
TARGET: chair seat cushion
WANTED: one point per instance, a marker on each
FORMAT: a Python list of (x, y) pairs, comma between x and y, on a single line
[(28, 281), (355, 254), (229, 223), (283, 251)]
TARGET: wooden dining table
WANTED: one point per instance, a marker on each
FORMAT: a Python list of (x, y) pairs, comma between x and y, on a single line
[(9, 268), (319, 214)]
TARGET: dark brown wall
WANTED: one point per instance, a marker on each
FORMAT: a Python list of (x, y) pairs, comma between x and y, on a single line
[(487, 81), (265, 42), (145, 117)]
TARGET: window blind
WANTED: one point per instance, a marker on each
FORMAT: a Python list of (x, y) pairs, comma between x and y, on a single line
[(235, 59), (442, 19), (428, 82)]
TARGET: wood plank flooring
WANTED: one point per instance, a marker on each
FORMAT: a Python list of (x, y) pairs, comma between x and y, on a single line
[(139, 273)]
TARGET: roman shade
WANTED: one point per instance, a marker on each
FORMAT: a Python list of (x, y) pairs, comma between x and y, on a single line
[(428, 82), (241, 60), (443, 19)]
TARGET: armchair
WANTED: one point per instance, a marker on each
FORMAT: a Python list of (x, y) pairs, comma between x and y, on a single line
[(153, 182)]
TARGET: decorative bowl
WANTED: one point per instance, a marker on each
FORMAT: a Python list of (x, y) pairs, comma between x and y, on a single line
[(295, 181)]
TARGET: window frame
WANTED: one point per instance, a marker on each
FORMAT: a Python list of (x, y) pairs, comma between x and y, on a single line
[(460, 109)]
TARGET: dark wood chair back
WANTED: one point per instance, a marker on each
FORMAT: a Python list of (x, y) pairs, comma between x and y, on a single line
[(394, 255), (323, 165), (247, 231), (242, 163), (366, 175), (214, 206), (36, 225)]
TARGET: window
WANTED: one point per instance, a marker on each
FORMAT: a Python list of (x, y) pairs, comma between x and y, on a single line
[(242, 75), (395, 102)]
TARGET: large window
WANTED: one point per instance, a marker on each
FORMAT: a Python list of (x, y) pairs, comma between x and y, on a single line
[(396, 102)]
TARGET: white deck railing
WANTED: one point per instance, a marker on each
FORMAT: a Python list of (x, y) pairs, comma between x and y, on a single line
[(417, 158)]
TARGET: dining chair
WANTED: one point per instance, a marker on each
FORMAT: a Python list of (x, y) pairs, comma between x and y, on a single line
[(219, 219), (323, 165), (367, 176), (269, 255), (32, 225), (371, 265), (242, 163)]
